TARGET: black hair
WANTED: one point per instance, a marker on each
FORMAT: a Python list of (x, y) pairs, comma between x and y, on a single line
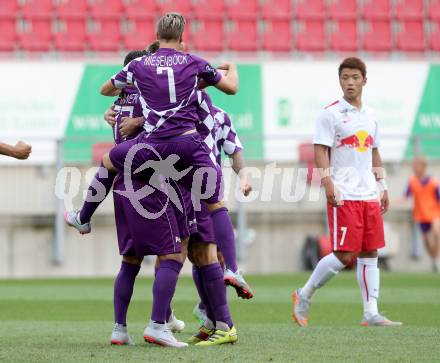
[(133, 55)]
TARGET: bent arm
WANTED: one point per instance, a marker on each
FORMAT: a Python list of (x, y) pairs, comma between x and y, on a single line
[(229, 81), (108, 89)]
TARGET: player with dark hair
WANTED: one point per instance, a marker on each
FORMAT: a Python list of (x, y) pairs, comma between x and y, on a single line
[(347, 154)]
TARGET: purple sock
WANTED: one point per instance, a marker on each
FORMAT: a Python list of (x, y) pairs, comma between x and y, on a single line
[(98, 190), (123, 290), (224, 237), (169, 311), (163, 289), (212, 277), (204, 303)]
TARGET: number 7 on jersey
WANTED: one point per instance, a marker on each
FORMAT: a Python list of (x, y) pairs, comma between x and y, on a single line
[(171, 83)]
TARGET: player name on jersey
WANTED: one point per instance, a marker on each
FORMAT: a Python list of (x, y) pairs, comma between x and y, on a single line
[(166, 61)]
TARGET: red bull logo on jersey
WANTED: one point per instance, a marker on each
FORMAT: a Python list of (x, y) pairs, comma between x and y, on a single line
[(361, 141)]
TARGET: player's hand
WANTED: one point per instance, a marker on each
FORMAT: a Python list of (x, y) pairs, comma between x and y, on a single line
[(21, 150), (110, 116), (130, 125), (332, 194), (384, 201), (245, 186), (226, 66)]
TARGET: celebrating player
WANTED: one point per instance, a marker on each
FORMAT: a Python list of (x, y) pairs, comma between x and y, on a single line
[(347, 154), (167, 82), (20, 150), (166, 242), (426, 210), (218, 133)]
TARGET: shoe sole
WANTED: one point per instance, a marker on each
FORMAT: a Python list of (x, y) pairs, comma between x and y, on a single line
[(300, 322), (152, 340), (72, 225), (393, 324), (117, 342), (241, 291)]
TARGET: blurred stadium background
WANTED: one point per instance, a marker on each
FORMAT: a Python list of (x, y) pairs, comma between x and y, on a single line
[(56, 53)]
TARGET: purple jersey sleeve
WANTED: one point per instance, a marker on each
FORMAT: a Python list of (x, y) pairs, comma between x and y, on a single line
[(229, 138), (207, 72), (126, 76)]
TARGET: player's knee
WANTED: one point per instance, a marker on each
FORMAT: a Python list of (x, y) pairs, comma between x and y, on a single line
[(108, 163), (214, 206), (203, 254), (134, 260), (346, 258)]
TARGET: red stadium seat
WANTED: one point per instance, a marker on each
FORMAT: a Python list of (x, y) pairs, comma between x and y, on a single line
[(37, 35), (72, 9), (37, 9), (376, 9), (244, 36), (310, 9), (8, 39), (409, 9), (72, 38), (107, 35), (342, 9), (434, 40), (434, 10), (345, 37), (141, 9), (242, 9), (107, 9), (311, 37), (99, 150), (378, 36), (210, 35), (8, 9), (278, 36), (209, 9), (412, 36), (182, 6), (282, 10), (141, 34)]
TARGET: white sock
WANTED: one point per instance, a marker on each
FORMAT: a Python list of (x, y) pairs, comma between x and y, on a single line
[(327, 267), (369, 280)]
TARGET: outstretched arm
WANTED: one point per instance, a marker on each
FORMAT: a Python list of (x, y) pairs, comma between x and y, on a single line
[(20, 151)]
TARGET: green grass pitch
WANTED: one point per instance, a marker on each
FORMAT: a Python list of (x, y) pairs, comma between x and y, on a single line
[(71, 321)]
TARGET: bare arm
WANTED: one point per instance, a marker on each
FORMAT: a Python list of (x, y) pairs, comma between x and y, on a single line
[(108, 89), (379, 173), (229, 81), (20, 151), (322, 162), (238, 165)]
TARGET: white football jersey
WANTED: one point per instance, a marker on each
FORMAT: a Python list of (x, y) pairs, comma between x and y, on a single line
[(351, 134)]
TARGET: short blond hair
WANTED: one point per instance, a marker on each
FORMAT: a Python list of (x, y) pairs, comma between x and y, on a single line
[(171, 27)]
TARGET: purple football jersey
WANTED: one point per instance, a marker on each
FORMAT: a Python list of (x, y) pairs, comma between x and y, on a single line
[(216, 129), (167, 82), (126, 105)]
